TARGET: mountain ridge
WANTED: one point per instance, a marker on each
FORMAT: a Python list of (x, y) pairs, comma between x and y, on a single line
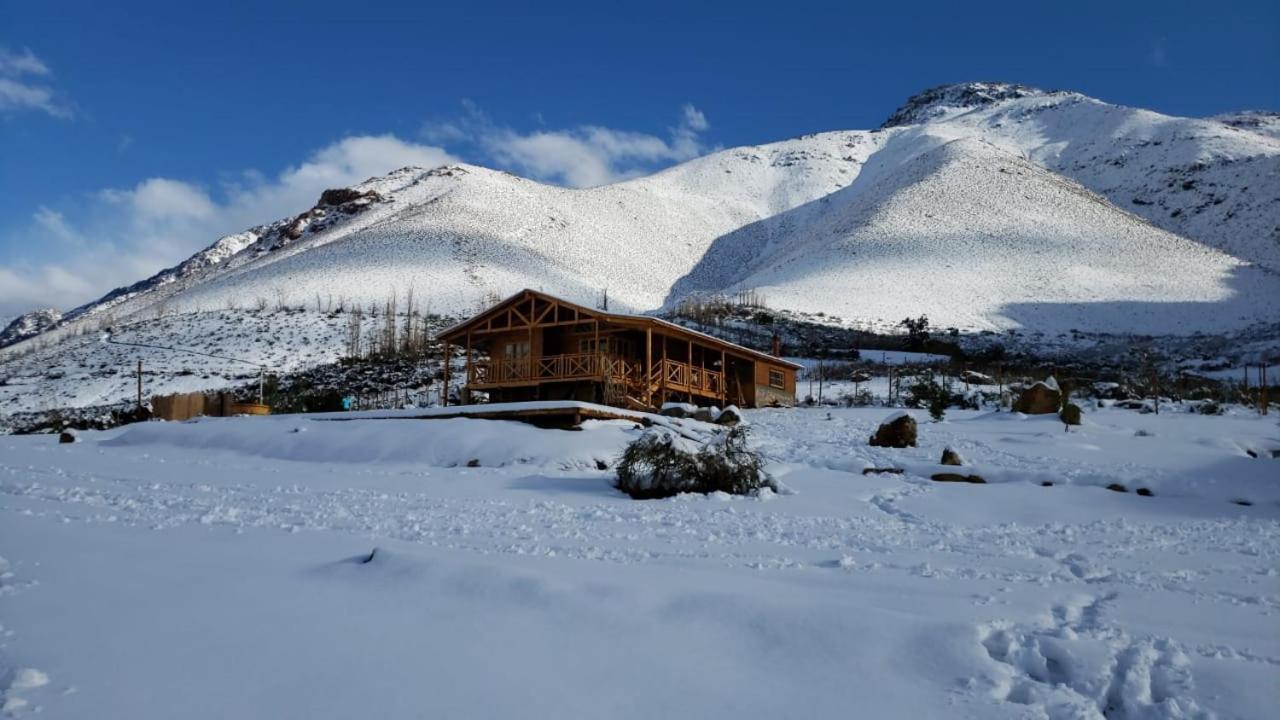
[(1213, 181)]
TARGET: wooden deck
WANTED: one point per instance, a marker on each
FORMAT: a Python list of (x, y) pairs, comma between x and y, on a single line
[(629, 374), (553, 414)]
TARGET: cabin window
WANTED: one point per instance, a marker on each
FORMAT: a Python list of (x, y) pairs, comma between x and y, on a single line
[(776, 380), (516, 350)]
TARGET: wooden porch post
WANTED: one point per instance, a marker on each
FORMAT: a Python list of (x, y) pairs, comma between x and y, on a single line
[(663, 374), (466, 394), (444, 392), (648, 366), (595, 324), (724, 380), (688, 374)]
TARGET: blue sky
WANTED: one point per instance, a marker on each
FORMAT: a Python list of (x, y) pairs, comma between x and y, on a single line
[(132, 134)]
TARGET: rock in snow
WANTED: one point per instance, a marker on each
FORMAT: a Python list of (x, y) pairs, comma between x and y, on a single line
[(897, 431)]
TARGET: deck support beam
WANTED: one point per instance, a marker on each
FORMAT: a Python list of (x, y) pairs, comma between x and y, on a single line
[(444, 391), (724, 381), (648, 366), (466, 393)]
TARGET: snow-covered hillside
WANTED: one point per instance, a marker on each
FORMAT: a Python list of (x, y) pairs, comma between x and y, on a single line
[(29, 325), (984, 205), (981, 238), (1211, 181)]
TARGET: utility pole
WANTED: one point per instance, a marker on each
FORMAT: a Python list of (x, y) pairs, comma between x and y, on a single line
[(1263, 387), (822, 374), (262, 369)]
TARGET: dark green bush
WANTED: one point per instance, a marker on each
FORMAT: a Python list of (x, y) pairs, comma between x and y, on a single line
[(659, 465)]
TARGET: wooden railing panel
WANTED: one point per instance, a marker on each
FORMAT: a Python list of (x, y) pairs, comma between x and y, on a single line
[(585, 366)]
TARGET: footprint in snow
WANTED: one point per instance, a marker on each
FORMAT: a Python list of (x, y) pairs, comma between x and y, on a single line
[(1075, 665)]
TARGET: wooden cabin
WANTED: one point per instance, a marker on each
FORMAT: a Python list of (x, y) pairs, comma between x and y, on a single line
[(533, 346)]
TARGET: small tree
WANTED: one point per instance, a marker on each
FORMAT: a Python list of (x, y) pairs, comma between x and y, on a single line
[(917, 332), (938, 405)]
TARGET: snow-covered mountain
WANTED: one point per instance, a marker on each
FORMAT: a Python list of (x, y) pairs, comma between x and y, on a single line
[(1259, 121), (987, 206), (29, 325)]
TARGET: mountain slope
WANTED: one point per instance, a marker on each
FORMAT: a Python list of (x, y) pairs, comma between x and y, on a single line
[(1211, 181), (978, 238), (29, 325), (986, 206)]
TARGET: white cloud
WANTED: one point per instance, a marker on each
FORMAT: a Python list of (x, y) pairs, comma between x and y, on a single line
[(25, 63), (120, 236), (582, 156), (164, 199), (22, 85), (694, 119), (57, 226)]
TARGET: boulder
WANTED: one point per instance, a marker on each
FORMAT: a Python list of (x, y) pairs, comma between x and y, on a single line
[(1041, 398), (66, 436), (897, 431), (976, 378), (1117, 487), (729, 416), (1145, 492), (878, 470), (678, 410), (703, 414), (958, 477), (951, 457), (1070, 414), (342, 196)]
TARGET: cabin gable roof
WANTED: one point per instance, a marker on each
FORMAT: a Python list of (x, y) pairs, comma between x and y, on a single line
[(459, 330)]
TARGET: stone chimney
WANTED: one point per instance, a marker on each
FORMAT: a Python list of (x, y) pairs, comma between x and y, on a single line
[(777, 345)]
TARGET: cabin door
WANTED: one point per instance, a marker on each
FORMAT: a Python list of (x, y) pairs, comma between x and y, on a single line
[(515, 360)]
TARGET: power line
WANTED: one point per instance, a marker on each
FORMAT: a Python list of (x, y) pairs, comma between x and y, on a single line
[(262, 368)]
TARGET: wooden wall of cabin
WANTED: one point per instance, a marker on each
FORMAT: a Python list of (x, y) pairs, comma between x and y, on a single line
[(775, 385), (497, 342), (570, 340)]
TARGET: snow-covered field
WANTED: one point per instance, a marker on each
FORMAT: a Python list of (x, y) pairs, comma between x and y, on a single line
[(227, 568)]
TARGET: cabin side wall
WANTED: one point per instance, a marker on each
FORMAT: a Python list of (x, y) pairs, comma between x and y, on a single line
[(775, 385)]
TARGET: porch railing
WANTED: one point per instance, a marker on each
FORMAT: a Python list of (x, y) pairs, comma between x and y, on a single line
[(682, 376), (583, 366), (672, 374)]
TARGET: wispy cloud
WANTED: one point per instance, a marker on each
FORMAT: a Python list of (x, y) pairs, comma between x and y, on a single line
[(24, 85), (1158, 55), (120, 235), (580, 156)]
